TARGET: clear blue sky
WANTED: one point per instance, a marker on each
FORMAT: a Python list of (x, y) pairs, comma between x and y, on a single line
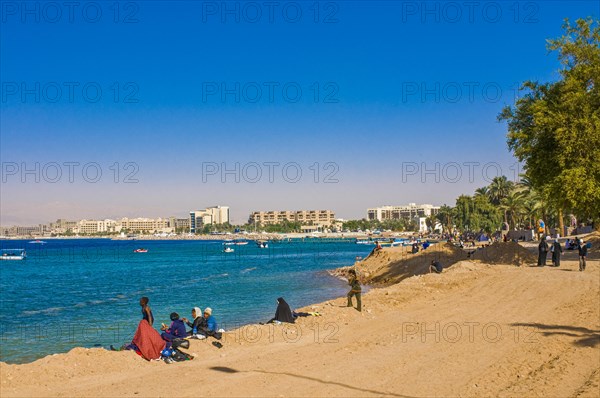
[(385, 86)]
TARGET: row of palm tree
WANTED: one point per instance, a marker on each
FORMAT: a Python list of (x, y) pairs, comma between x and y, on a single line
[(520, 204)]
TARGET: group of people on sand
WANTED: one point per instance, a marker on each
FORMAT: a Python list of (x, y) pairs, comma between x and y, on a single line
[(556, 249), (152, 345), (202, 324)]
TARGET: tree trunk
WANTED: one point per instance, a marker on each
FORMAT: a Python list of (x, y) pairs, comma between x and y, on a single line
[(561, 223)]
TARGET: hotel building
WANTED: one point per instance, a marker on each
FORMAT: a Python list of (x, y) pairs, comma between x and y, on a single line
[(210, 215), (408, 212), (316, 217)]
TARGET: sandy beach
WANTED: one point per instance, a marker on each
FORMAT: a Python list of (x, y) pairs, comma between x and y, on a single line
[(477, 329)]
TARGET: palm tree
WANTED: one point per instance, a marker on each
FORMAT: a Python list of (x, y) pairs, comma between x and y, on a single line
[(514, 204), (499, 189), (483, 191), (444, 215)]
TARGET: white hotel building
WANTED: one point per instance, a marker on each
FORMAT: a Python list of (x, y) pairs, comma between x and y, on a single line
[(408, 212), (210, 215)]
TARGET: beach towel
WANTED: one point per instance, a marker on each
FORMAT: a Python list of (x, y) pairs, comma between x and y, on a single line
[(148, 341)]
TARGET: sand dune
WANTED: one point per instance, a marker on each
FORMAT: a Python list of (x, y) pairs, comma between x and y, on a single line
[(474, 330)]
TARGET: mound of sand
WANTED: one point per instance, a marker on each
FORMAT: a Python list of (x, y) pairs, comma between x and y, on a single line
[(391, 265), (593, 238), (504, 253)]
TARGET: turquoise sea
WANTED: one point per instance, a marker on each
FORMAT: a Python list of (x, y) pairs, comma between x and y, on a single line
[(85, 292)]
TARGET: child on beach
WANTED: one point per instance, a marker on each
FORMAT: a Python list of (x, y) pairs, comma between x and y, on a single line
[(355, 290), (146, 311)]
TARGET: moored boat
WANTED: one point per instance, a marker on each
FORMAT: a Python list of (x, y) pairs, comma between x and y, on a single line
[(13, 254)]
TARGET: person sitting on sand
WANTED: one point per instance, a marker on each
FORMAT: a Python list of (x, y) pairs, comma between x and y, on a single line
[(209, 327), (415, 248), (556, 253), (175, 331), (377, 245), (146, 342), (283, 313), (568, 245), (436, 267), (146, 311), (355, 290), (198, 321), (542, 252), (582, 254), (426, 245)]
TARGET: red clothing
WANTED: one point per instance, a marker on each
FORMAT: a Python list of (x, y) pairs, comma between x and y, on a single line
[(148, 341)]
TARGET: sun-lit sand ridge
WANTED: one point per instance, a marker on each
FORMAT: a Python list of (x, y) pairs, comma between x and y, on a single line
[(475, 330)]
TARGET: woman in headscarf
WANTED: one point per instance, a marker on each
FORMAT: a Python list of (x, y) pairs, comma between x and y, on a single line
[(556, 252), (283, 312), (175, 331), (197, 321), (542, 252)]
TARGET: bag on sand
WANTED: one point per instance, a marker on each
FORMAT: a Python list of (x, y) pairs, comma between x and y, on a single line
[(179, 356), (181, 343)]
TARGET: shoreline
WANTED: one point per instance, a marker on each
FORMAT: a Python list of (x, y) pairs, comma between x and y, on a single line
[(324, 273)]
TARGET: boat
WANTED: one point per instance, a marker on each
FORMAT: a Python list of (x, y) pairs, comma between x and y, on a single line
[(228, 250), (13, 254), (228, 242), (37, 241), (240, 242), (382, 243), (140, 250), (262, 244)]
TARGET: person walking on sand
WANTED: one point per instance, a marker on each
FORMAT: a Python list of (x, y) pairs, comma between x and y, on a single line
[(556, 253), (355, 290), (542, 252), (146, 311), (582, 254)]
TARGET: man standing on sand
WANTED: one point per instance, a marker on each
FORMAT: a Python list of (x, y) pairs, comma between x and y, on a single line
[(355, 290), (582, 254), (542, 252)]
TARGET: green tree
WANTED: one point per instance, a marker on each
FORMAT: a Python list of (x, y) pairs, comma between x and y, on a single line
[(555, 127)]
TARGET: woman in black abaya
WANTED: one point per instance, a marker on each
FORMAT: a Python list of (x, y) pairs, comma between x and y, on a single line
[(283, 312)]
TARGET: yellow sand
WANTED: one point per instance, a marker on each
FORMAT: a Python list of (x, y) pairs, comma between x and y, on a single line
[(474, 330)]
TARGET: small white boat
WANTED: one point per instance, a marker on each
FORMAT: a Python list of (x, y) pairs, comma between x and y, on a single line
[(228, 242), (262, 244), (241, 243), (141, 250), (38, 242), (13, 254), (228, 250)]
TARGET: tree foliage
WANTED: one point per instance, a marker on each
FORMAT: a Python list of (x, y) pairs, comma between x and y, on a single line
[(555, 127)]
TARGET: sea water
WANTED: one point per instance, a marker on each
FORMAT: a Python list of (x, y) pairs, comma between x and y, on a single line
[(85, 292)]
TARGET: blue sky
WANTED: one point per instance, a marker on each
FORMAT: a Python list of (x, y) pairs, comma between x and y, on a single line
[(384, 86)]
